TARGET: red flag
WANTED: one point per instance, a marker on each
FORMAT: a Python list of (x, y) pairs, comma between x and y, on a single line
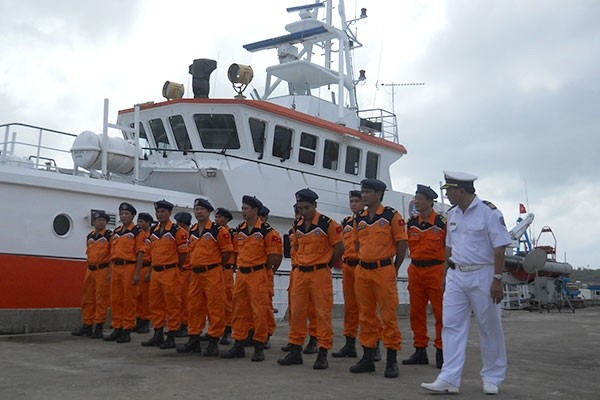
[(522, 209)]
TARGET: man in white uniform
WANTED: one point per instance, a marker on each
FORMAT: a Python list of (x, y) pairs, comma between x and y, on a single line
[(475, 245)]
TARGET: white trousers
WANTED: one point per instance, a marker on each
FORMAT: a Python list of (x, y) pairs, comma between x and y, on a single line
[(466, 292)]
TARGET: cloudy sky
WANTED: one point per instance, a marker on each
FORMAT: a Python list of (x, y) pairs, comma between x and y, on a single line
[(511, 94)]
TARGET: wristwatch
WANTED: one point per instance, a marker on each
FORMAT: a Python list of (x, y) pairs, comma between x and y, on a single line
[(498, 276)]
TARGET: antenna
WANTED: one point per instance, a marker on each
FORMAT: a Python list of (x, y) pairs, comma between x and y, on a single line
[(393, 85)]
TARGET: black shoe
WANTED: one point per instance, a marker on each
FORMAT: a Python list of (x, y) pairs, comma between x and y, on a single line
[(391, 365), (287, 348), (226, 339), (157, 340), (182, 332), (144, 326), (192, 346), (321, 361), (365, 364), (125, 336), (439, 358), (348, 350), (259, 354), (268, 343), (377, 355), (249, 341), (169, 342), (97, 331), (236, 351), (114, 335), (138, 324), (85, 330), (213, 347), (418, 357), (311, 347), (294, 357)]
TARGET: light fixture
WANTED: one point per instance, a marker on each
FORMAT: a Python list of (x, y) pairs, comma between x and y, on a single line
[(240, 76), (172, 90)]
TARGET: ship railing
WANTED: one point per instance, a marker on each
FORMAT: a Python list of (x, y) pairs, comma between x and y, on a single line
[(379, 123)]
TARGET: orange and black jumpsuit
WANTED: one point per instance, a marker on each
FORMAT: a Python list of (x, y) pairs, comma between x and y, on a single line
[(143, 294), (96, 288)]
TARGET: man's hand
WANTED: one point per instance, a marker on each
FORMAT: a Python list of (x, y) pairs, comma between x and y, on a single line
[(497, 291)]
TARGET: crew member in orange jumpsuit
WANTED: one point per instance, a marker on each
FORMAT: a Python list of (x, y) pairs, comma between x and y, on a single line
[(209, 248), (427, 244), (184, 221), (380, 233), (258, 249), (127, 256), (319, 246), (168, 247), (95, 298), (142, 279), (222, 218)]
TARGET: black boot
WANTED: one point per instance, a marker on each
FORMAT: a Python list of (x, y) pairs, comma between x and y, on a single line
[(182, 332), (365, 364), (192, 346), (249, 341), (287, 348), (418, 357), (293, 357), (144, 326), (156, 340), (125, 336), (439, 358), (226, 339), (321, 361), (236, 351), (213, 347), (377, 355), (311, 347), (85, 330), (138, 324), (259, 354), (391, 365), (114, 335), (169, 342), (348, 350), (97, 331)]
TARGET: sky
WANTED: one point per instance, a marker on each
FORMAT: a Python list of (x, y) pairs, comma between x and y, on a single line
[(511, 94)]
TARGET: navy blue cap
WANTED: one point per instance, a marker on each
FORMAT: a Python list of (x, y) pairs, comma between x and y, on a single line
[(184, 217), (100, 214), (127, 207), (224, 213), (426, 191), (373, 184), (252, 201), (264, 211), (203, 203), (306, 195), (163, 204), (355, 193), (145, 217)]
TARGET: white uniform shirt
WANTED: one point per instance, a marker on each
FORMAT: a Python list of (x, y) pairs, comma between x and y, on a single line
[(474, 234)]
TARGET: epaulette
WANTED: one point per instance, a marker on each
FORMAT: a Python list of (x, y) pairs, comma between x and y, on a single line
[(267, 227), (346, 219), (489, 204), (325, 218), (239, 227), (388, 213), (441, 221)]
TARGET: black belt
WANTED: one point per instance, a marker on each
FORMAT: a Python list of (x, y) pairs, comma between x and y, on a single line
[(204, 268), (310, 268), (120, 261), (376, 264), (294, 267), (247, 270), (426, 263), (351, 262), (163, 267), (228, 266), (99, 266), (147, 264)]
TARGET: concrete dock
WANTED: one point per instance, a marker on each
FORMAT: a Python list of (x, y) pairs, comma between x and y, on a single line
[(551, 356)]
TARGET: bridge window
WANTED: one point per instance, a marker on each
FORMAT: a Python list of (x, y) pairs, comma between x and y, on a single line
[(160, 134), (372, 165), (352, 160), (282, 142), (258, 129), (331, 154), (180, 132), (308, 148), (145, 144), (217, 131)]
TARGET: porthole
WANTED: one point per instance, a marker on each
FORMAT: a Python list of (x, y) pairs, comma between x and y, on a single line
[(62, 225)]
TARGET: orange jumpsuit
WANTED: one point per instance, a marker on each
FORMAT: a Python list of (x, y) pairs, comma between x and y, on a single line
[(185, 276), (228, 270), (427, 243), (143, 295), (312, 312), (206, 289), (251, 293), (165, 289), (376, 278), (312, 281), (126, 243), (271, 281), (95, 298), (350, 262)]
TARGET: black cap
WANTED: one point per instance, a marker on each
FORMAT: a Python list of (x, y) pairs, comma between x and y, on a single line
[(252, 201), (264, 211), (306, 195), (100, 214), (163, 204), (224, 213), (184, 217), (355, 193), (145, 217), (373, 184), (127, 207), (203, 203), (426, 191)]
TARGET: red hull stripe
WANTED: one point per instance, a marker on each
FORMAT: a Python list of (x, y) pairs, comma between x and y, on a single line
[(40, 282)]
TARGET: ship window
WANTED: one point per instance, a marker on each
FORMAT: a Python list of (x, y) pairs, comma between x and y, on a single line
[(160, 134), (282, 142), (372, 165), (308, 148), (145, 144), (352, 160), (62, 225), (257, 129), (180, 132), (331, 155), (217, 131)]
